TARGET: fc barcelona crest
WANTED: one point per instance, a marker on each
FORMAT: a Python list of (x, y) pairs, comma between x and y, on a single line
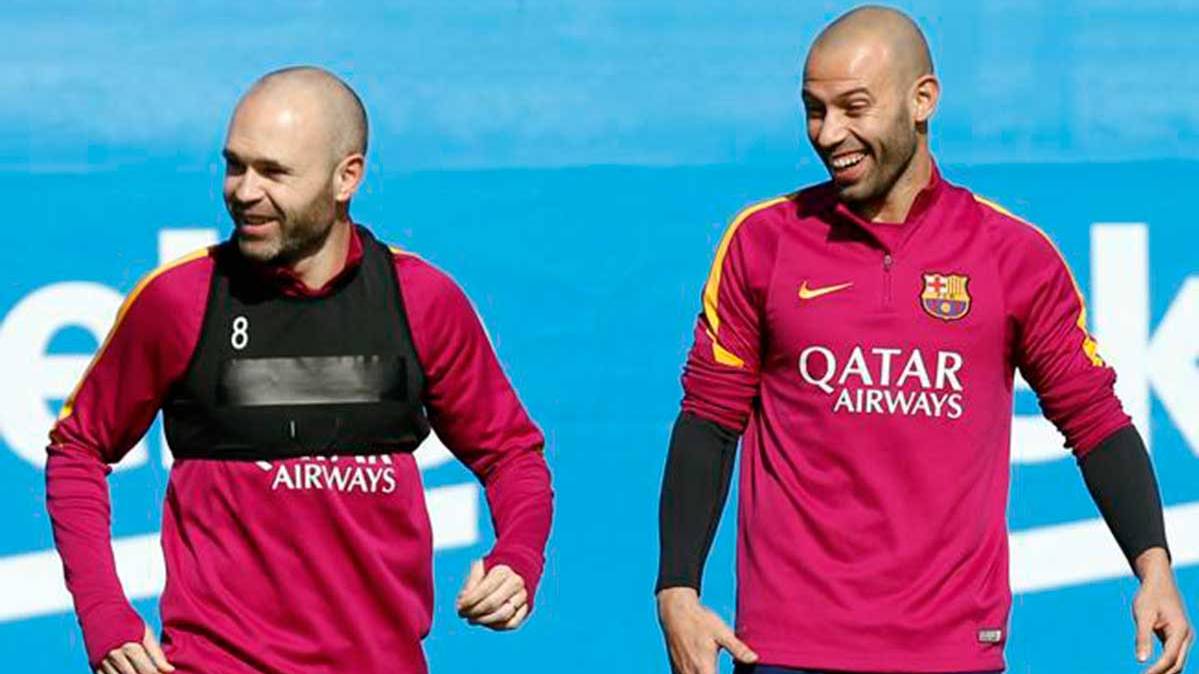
[(945, 296)]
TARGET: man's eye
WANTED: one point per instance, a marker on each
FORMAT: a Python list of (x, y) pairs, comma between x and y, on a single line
[(234, 168)]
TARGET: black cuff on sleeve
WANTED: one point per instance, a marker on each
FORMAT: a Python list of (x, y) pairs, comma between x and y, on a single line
[(1121, 481), (699, 468)]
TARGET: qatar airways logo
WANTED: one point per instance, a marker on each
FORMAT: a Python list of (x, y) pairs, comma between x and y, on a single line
[(358, 474), (882, 380)]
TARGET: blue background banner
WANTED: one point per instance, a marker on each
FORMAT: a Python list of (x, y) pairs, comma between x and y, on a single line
[(573, 165)]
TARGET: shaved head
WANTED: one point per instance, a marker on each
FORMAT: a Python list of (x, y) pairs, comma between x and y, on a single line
[(868, 93), (896, 36), (341, 111), (294, 157)]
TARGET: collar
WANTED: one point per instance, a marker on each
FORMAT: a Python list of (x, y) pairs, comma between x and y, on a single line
[(288, 283), (924, 202)]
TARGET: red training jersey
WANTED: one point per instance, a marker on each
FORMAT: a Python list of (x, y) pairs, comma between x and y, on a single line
[(301, 565), (870, 367)]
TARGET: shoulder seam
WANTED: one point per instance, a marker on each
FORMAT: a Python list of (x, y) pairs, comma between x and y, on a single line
[(154, 274), (1089, 345), (712, 287), (166, 267), (68, 405), (998, 208), (397, 252)]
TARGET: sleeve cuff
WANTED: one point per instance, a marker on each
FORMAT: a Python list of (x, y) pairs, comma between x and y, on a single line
[(109, 627)]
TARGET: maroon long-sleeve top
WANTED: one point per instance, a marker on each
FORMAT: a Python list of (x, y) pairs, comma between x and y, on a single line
[(871, 367), (312, 564)]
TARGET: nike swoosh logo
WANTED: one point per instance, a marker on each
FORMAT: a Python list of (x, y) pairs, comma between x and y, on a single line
[(806, 293)]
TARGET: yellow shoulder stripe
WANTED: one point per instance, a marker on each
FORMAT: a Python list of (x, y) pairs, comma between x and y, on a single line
[(1089, 345), (712, 288), (396, 251), (69, 405)]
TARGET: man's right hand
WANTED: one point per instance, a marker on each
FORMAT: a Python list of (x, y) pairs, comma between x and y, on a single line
[(134, 658), (694, 634)]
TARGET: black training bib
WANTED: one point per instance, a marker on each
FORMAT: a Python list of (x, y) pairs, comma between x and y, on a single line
[(275, 376)]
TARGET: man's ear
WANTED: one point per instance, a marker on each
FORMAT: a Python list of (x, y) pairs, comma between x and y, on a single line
[(348, 176), (925, 95)]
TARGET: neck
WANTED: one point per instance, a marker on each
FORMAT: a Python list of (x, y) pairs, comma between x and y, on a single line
[(894, 207), (325, 262)]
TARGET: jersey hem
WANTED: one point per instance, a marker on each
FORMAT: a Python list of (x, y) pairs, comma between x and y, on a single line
[(924, 662)]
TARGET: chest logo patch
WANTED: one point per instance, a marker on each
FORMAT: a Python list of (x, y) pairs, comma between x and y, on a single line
[(945, 296)]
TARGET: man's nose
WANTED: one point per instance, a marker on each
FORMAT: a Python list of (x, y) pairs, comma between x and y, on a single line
[(248, 188), (832, 131)]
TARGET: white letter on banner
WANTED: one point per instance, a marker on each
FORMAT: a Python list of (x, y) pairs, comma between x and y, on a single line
[(1174, 362), (32, 377), (1120, 288)]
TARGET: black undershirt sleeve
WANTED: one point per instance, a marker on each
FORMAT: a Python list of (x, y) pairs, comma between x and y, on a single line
[(699, 468), (1121, 481)]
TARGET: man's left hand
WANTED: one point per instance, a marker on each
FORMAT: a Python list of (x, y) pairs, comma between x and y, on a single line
[(1157, 609), (496, 599)]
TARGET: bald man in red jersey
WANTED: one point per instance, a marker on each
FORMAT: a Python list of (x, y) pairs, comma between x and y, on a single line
[(297, 366), (863, 335)]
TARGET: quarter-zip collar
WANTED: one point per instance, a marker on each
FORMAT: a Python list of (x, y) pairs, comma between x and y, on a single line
[(892, 236)]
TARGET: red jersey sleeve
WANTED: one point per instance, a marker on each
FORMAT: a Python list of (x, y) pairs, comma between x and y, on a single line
[(146, 350), (721, 376), (478, 416), (1052, 347)]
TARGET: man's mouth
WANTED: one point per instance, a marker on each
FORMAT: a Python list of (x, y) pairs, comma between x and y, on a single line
[(254, 220), (848, 167), (846, 160), (255, 225)]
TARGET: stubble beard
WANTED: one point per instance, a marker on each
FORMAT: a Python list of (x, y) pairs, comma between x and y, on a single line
[(892, 157), (300, 233)]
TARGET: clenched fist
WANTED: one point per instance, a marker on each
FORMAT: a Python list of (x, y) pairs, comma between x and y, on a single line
[(496, 599)]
